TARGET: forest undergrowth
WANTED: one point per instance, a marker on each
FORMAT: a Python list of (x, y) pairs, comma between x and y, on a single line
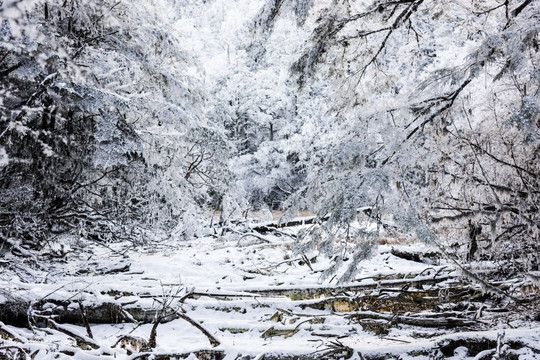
[(253, 297)]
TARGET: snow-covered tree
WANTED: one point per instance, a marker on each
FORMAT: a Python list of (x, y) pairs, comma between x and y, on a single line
[(433, 121), (103, 126)]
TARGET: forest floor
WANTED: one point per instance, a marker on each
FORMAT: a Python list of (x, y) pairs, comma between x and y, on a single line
[(251, 297)]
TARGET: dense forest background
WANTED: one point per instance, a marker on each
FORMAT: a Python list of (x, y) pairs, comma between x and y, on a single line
[(137, 120)]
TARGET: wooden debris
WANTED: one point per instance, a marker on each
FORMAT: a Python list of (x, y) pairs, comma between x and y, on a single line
[(421, 257), (430, 322), (200, 355), (328, 291), (83, 342), (213, 341), (7, 334), (131, 343)]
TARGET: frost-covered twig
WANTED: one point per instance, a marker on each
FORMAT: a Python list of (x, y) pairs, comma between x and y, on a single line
[(255, 235), (85, 321), (213, 341), (82, 341)]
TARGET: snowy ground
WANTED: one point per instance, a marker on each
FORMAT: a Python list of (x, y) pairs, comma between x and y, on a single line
[(258, 298)]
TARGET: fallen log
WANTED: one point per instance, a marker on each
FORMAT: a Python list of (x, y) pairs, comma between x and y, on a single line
[(431, 322), (296, 293), (16, 314), (474, 345), (200, 355), (398, 300), (421, 257), (215, 295), (371, 303), (272, 226), (84, 342), (7, 334)]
